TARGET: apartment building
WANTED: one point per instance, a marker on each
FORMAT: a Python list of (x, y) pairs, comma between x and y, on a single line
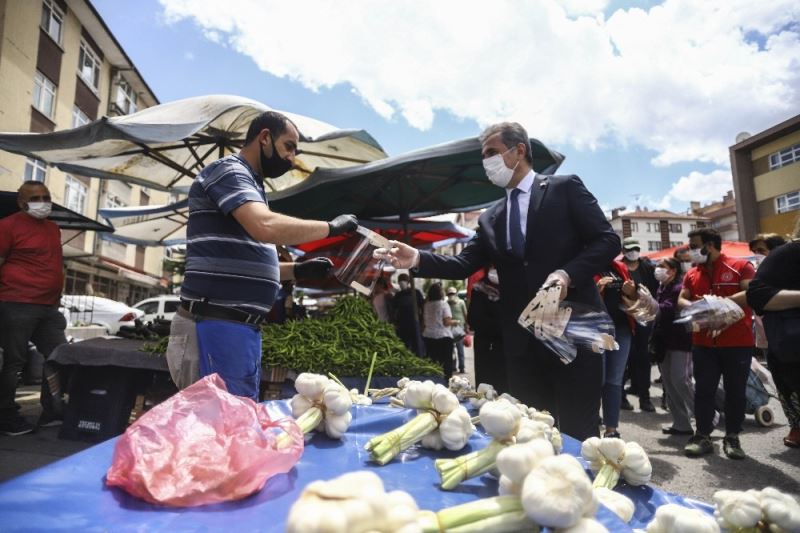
[(766, 179), (655, 230), (721, 216), (61, 68)]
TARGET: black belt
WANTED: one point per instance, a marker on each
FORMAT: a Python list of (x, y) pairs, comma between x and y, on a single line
[(207, 310)]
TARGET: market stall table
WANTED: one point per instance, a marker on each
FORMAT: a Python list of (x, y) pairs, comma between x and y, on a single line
[(71, 495)]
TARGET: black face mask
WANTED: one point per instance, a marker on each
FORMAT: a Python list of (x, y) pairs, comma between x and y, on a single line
[(275, 166)]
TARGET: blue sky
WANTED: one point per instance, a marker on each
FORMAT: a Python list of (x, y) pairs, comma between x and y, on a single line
[(643, 97)]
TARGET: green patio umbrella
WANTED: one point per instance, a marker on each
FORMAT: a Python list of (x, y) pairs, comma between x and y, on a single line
[(439, 179)]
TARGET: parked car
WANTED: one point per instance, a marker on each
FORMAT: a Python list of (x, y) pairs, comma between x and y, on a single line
[(84, 309), (162, 306)]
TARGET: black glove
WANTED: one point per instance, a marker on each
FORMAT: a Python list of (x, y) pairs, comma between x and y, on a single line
[(342, 224), (316, 268)]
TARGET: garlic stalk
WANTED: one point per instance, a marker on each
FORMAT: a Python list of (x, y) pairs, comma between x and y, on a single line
[(438, 410), (617, 503), (610, 458)]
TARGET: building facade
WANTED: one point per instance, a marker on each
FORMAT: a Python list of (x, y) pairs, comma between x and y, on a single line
[(61, 68), (721, 216), (766, 179), (655, 230)]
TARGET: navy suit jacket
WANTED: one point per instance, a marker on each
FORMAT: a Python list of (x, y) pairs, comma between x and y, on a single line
[(566, 229)]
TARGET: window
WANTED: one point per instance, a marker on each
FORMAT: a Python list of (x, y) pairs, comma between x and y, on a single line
[(35, 169), (52, 20), (89, 66), (44, 95), (149, 308), (787, 202), (75, 194), (171, 306), (114, 201), (653, 246), (653, 227), (692, 227), (676, 228), (785, 157), (126, 97), (673, 244), (634, 226), (79, 118)]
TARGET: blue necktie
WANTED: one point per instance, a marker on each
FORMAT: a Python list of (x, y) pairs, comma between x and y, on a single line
[(515, 227)]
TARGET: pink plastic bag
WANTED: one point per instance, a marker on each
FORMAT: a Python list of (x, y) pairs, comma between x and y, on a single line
[(203, 445)]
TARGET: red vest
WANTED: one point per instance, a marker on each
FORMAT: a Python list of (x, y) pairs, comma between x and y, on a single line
[(726, 275)]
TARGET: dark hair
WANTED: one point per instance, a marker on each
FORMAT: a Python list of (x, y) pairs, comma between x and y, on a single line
[(680, 251), (512, 134), (403, 277), (772, 240), (707, 235), (672, 263), (273, 121), (435, 292)]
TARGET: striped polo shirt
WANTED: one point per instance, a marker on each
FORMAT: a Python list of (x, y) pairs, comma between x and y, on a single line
[(224, 265)]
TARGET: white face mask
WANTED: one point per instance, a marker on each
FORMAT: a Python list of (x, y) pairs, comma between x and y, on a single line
[(451, 297), (497, 171), (40, 210), (685, 266), (661, 274), (403, 285), (633, 255), (493, 278), (697, 257)]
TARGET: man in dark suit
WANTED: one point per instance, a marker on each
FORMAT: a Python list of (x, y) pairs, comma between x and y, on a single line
[(547, 230)]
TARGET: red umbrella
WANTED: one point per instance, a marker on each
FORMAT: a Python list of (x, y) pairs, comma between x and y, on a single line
[(729, 248)]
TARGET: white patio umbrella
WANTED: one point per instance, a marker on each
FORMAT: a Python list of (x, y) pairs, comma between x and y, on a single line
[(165, 146)]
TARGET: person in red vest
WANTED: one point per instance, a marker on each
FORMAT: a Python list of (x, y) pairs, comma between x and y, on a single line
[(31, 280), (727, 355)]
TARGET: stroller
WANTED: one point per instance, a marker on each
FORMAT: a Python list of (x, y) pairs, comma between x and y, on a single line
[(756, 394)]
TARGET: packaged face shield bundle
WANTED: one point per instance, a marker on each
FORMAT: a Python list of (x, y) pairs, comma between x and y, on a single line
[(361, 270), (712, 313), (565, 326), (644, 309)]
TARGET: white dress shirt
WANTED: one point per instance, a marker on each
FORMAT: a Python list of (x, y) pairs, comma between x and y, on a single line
[(524, 199)]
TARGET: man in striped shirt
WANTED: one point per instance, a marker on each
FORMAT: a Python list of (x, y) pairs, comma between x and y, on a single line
[(232, 270)]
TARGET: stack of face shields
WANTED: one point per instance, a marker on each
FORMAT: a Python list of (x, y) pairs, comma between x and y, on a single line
[(361, 269), (565, 326), (711, 313), (644, 309)]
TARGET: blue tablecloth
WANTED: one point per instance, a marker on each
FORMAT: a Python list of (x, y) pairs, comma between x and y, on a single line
[(71, 495)]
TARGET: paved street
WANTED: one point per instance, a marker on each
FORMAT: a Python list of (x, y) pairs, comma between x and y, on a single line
[(769, 461)]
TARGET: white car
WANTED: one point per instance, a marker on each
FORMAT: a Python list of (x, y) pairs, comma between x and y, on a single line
[(83, 309), (162, 306)]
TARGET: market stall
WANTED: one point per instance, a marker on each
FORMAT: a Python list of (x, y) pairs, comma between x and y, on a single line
[(71, 495)]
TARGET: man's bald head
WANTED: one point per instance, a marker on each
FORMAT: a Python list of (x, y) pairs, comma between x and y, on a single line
[(32, 191)]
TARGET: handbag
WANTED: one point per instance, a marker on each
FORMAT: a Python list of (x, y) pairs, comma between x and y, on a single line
[(467, 341), (783, 333)]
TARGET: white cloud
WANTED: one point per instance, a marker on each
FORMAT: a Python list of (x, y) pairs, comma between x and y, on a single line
[(682, 78), (696, 187)]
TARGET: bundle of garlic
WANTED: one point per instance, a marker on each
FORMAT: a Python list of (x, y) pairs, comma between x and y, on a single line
[(441, 422), (461, 387), (753, 510), (358, 398), (609, 458), (484, 393), (321, 404), (537, 489), (504, 422), (672, 518), (355, 502)]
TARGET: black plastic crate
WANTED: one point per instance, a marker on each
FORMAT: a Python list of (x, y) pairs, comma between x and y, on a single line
[(100, 401)]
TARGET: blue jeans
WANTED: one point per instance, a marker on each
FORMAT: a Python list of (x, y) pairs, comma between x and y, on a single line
[(460, 353), (233, 351), (613, 370)]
